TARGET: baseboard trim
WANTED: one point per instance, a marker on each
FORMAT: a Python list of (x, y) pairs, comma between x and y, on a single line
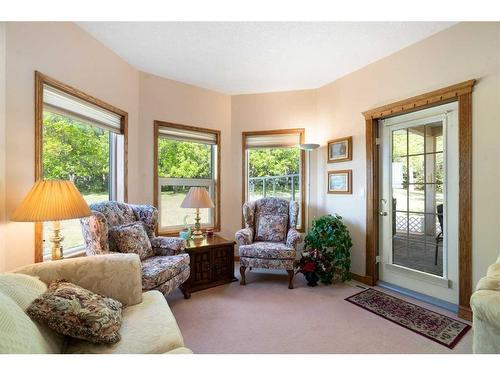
[(465, 312), (362, 279), (421, 297)]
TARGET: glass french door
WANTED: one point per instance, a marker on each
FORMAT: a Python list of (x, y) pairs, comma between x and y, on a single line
[(419, 201)]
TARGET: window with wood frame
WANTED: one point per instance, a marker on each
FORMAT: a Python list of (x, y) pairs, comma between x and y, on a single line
[(81, 139), (273, 166), (185, 157)]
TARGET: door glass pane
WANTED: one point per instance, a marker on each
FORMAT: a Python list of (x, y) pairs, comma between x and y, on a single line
[(416, 169), (434, 137), (399, 145), (418, 199), (416, 140)]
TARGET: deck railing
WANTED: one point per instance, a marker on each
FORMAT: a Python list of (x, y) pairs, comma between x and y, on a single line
[(273, 184)]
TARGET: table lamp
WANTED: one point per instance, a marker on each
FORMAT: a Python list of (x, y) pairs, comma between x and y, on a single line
[(197, 197), (52, 200)]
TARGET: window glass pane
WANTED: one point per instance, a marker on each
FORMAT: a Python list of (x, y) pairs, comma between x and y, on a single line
[(274, 172), (181, 165), (79, 152), (416, 136), (180, 159), (171, 212), (399, 142)]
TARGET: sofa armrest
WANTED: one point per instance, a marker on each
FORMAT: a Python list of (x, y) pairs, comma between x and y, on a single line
[(168, 245), (244, 236), (95, 234), (485, 306), (293, 238), (112, 275)]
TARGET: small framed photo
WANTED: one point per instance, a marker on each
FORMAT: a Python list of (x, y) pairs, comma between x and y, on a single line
[(340, 182), (340, 150)]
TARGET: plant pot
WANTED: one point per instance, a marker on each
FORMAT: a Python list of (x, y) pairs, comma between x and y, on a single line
[(312, 278)]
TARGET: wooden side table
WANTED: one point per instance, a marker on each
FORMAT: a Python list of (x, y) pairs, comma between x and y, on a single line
[(211, 263)]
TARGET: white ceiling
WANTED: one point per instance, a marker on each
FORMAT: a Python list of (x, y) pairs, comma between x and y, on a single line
[(251, 57)]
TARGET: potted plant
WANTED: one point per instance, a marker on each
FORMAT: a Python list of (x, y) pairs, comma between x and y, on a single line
[(309, 265), (330, 239)]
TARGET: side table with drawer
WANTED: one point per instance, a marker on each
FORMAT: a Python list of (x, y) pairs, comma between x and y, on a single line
[(211, 263)]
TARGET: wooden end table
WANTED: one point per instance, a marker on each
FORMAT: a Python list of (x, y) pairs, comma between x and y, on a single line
[(211, 263)]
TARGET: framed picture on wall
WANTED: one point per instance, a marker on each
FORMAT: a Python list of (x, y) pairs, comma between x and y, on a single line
[(340, 182), (340, 150)]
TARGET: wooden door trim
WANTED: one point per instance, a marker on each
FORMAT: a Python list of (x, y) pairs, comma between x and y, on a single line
[(461, 93), (40, 80)]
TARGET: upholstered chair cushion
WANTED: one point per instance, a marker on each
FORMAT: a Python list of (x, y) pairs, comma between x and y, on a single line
[(271, 228), (267, 250), (159, 269), (132, 238), (77, 312)]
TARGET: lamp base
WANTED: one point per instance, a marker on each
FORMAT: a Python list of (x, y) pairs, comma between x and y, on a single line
[(56, 240)]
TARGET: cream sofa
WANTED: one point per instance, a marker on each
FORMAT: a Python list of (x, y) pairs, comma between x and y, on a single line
[(485, 303), (148, 324)]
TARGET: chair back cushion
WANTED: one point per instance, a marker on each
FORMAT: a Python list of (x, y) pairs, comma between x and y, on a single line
[(132, 238), (271, 228), (115, 213), (271, 219), (19, 334)]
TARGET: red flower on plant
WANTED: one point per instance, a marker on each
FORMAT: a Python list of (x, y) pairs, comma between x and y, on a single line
[(309, 267)]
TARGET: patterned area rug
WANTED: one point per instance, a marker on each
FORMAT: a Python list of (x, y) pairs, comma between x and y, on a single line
[(434, 326)]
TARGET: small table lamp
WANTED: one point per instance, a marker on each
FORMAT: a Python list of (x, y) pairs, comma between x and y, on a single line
[(197, 197), (52, 200)]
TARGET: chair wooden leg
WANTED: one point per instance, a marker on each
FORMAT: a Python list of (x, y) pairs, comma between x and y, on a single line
[(290, 278), (242, 273), (185, 290)]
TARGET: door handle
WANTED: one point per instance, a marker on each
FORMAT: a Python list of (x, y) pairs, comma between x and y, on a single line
[(383, 213)]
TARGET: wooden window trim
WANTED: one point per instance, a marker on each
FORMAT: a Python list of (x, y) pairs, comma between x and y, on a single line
[(157, 125), (461, 93), (40, 80), (301, 132)]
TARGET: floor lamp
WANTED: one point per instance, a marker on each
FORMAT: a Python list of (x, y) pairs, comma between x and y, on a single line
[(308, 147)]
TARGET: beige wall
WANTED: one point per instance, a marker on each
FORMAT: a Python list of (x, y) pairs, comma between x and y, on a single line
[(65, 52), (62, 51), (3, 223), (465, 51), (171, 101), (281, 110)]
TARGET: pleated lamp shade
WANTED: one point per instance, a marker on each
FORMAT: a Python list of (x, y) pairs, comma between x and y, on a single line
[(197, 197), (52, 200)]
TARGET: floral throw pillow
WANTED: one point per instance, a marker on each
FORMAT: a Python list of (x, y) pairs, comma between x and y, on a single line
[(74, 311), (133, 238), (271, 228)]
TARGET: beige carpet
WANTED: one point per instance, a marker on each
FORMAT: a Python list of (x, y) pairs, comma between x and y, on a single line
[(265, 317)]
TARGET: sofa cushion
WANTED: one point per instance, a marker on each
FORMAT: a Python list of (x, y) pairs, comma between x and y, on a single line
[(267, 250), (271, 228), (18, 333), (132, 238), (148, 327), (22, 290), (159, 269), (77, 312)]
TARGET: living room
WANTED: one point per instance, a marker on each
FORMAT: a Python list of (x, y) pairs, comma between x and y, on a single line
[(230, 124)]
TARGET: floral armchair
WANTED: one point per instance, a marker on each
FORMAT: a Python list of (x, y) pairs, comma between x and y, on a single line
[(164, 268), (269, 239)]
